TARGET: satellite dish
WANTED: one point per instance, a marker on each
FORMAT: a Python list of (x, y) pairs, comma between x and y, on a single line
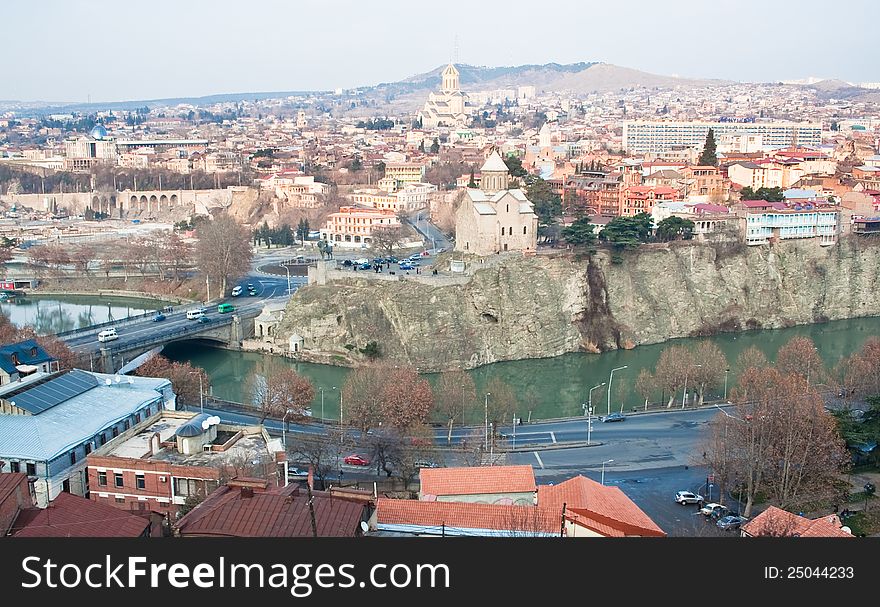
[(206, 424), (108, 381), (364, 526), (847, 529)]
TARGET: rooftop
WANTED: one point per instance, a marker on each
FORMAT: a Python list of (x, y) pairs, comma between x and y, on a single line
[(69, 515), (463, 518), (477, 480), (781, 523)]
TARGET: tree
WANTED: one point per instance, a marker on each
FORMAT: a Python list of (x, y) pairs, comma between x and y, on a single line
[(407, 398), (514, 166), (580, 233), (751, 358), (362, 397), (799, 356), (502, 403), (356, 164), (709, 157), (321, 452), (628, 232), (548, 204), (224, 250), (780, 442), (5, 254), (281, 391), (768, 194), (435, 147), (387, 238), (455, 394), (184, 377), (646, 385), (710, 373), (675, 228), (302, 230), (672, 369), (471, 182), (859, 373)]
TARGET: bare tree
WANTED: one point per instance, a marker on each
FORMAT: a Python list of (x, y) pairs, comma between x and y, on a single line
[(407, 399), (224, 250), (320, 452), (645, 386), (362, 397), (280, 391), (799, 356), (456, 393), (189, 382), (672, 368), (859, 374), (710, 372), (750, 358), (82, 257), (502, 403), (387, 239)]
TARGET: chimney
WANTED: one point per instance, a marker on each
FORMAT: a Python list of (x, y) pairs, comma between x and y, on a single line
[(311, 479), (247, 493)]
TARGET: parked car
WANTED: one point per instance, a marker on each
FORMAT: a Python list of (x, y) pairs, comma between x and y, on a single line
[(425, 463), (365, 266), (159, 317), (686, 497), (356, 460), (614, 417), (403, 265), (297, 473), (731, 521), (361, 261), (391, 259), (415, 263), (379, 261), (714, 510), (236, 290), (347, 263)]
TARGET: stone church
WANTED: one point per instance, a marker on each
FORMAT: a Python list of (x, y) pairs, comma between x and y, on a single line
[(493, 218), (448, 107)]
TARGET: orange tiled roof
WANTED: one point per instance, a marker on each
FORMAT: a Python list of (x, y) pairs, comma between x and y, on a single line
[(466, 515), (598, 507), (476, 480), (781, 523)]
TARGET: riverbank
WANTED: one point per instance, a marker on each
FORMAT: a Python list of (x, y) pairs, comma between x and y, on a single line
[(151, 288)]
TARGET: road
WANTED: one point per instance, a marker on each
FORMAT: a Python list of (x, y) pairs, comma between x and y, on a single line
[(431, 233)]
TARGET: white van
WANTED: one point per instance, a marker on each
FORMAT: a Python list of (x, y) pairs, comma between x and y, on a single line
[(108, 335), (195, 314)]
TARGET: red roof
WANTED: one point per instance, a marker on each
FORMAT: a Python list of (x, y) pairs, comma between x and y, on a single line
[(777, 522), (241, 512), (606, 510), (477, 480), (73, 516), (467, 515)]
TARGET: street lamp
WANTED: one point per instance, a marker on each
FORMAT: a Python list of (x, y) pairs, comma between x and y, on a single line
[(487, 420), (684, 390), (514, 430), (590, 399), (726, 373), (284, 429), (607, 461), (610, 379), (287, 267)]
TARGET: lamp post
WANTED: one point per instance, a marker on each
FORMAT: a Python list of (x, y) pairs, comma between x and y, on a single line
[(284, 429), (607, 461), (514, 430), (590, 399), (287, 267), (610, 379), (726, 373), (487, 421), (684, 391)]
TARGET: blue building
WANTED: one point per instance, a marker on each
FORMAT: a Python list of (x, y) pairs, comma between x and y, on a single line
[(21, 359), (49, 423)]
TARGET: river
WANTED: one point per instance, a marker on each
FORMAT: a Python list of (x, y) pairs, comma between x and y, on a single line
[(550, 387), (54, 314)]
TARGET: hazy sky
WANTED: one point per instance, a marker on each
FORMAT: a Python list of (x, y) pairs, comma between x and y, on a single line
[(73, 50)]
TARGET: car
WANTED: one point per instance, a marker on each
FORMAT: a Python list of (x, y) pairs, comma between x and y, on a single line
[(391, 259), (108, 335), (250, 286), (425, 463), (406, 266), (204, 320), (714, 510), (361, 261), (347, 263), (356, 460), (252, 293), (236, 290), (731, 521), (365, 266), (614, 417), (415, 263), (415, 256), (297, 473), (379, 261), (686, 497), (159, 317)]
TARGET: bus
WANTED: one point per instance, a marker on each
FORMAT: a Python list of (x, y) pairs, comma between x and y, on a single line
[(225, 307)]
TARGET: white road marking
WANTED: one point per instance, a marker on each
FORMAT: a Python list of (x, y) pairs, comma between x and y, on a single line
[(538, 457), (553, 437)]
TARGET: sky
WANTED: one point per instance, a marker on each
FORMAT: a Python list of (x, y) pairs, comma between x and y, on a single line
[(98, 50)]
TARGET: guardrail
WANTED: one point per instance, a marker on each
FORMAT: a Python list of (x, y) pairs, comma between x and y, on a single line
[(195, 327), (122, 321)]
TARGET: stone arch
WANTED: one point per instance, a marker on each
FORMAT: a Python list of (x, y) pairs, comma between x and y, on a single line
[(105, 204), (132, 204), (163, 202), (142, 203), (173, 200), (154, 203), (96, 202)]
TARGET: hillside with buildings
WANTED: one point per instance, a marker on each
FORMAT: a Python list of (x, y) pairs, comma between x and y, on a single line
[(513, 307)]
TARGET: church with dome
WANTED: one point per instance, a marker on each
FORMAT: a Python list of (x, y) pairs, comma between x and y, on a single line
[(494, 218), (449, 107)]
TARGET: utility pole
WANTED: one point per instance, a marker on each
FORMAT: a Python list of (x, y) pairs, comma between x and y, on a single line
[(312, 510)]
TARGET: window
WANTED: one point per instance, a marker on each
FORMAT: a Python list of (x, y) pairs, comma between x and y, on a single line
[(118, 480), (33, 351), (120, 500), (72, 457), (125, 425), (15, 359), (137, 418), (147, 412), (31, 469), (524, 229), (115, 432), (102, 479), (141, 481), (103, 438), (14, 467), (502, 231), (88, 448)]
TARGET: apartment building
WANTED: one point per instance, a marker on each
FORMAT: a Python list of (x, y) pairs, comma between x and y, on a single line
[(785, 222), (765, 173), (657, 137), (353, 226), (642, 198), (405, 172)]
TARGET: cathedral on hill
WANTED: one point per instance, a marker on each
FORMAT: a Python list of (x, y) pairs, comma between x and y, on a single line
[(449, 107), (494, 218)]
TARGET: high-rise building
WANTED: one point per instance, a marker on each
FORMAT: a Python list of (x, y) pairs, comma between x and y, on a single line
[(642, 137)]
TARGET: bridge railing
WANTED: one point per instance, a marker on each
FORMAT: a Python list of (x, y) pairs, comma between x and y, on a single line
[(166, 335), (129, 320)]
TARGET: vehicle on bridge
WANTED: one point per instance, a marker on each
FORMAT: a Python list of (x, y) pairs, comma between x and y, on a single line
[(159, 317), (195, 314), (108, 335), (204, 320), (236, 290), (225, 308)]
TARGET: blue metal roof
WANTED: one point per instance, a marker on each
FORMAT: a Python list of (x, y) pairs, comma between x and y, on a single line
[(28, 352), (193, 427)]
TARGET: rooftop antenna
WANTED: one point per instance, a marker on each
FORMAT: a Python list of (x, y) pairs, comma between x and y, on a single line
[(455, 50)]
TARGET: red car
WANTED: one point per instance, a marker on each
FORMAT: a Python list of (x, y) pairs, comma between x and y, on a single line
[(356, 460)]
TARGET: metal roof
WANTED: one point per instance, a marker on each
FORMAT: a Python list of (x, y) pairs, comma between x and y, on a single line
[(45, 396)]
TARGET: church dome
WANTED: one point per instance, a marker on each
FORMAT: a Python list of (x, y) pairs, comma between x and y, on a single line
[(494, 163), (98, 132)]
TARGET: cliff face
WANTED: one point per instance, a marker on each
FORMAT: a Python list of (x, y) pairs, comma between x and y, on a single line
[(541, 306)]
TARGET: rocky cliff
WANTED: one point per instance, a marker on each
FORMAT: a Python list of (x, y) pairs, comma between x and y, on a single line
[(534, 307)]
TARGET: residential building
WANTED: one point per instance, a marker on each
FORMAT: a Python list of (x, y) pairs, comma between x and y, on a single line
[(405, 172), (765, 174), (50, 423), (73, 516), (173, 455), (485, 484), (784, 222), (493, 218), (249, 508), (598, 192), (644, 137), (353, 226), (22, 359), (411, 197), (776, 522), (448, 108), (642, 198), (705, 182)]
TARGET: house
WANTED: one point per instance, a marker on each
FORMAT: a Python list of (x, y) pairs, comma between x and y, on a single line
[(249, 508), (48, 426), (22, 359), (73, 516), (174, 457), (485, 484), (776, 522)]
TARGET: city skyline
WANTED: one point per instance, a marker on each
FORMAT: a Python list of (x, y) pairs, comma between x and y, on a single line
[(199, 49)]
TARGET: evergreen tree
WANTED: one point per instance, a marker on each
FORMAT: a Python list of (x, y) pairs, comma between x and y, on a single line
[(580, 233), (472, 183), (435, 147), (708, 157), (302, 229)]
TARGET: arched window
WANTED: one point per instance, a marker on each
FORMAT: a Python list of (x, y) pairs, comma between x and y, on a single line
[(524, 229), (508, 208), (502, 231)]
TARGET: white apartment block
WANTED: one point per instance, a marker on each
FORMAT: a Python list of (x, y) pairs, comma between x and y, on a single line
[(644, 137), (787, 224)]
